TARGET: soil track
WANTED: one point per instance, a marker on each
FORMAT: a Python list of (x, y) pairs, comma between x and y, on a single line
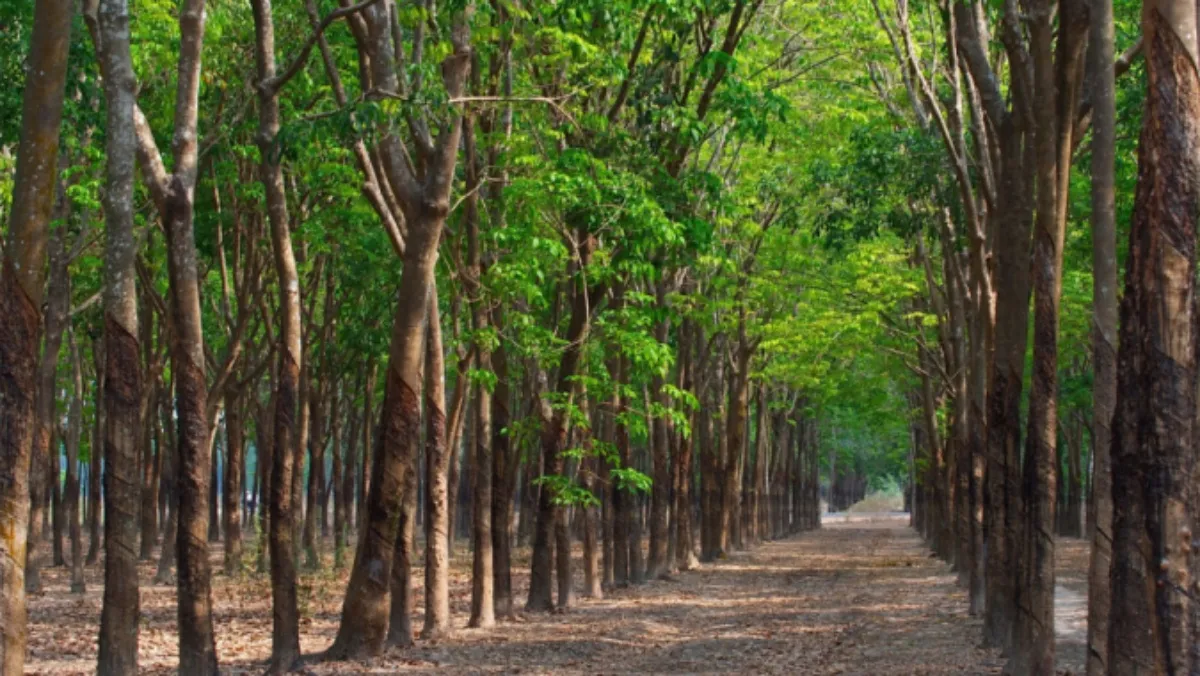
[(860, 596)]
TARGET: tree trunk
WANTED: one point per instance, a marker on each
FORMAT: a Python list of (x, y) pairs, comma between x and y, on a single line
[(504, 477), (1004, 397), (1153, 625), (235, 465), (58, 300), (731, 489), (214, 480), (74, 434), (95, 466), (166, 439), (368, 435), (336, 481), (148, 422), (437, 489), (587, 512), (285, 435), (685, 557), (21, 282), (400, 632), (1034, 653), (657, 564), (1104, 328), (197, 645), (621, 496)]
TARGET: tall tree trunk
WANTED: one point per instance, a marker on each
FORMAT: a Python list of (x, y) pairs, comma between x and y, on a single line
[(1034, 653), (621, 496), (21, 285), (1104, 328), (739, 403), (214, 480), (74, 434), (235, 465), (122, 382), (368, 435), (400, 632), (1013, 287), (1154, 622), (58, 523), (148, 423), (58, 300), (504, 483), (197, 644), (264, 424), (587, 512), (660, 491), (437, 488), (685, 557), (285, 435), (96, 462), (337, 463), (483, 609), (316, 462), (166, 439)]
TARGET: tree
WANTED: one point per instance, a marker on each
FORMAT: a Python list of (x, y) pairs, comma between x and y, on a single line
[(1152, 622), (424, 199), (174, 198), (1104, 338), (21, 281)]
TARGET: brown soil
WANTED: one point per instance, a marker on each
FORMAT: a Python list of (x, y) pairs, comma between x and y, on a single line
[(860, 596)]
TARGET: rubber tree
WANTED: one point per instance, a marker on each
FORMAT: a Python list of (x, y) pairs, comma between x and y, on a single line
[(1156, 508), (21, 280), (423, 191)]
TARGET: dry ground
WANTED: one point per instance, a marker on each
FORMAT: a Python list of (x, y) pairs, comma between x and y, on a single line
[(860, 596)]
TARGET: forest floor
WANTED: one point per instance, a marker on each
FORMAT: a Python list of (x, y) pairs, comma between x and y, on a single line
[(860, 596)]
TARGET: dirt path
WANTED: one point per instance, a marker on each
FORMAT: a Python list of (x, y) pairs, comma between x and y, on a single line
[(854, 598), (860, 596)]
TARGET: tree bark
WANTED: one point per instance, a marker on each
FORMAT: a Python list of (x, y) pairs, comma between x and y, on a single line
[(1153, 622), (21, 284), (285, 435), (437, 488), (657, 564), (1104, 328), (365, 612), (235, 465), (739, 403), (1013, 287), (1034, 648), (74, 435), (504, 477), (95, 466)]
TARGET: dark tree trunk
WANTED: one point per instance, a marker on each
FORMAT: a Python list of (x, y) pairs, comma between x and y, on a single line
[(1104, 328), (284, 435), (437, 489), (504, 478), (660, 491), (1004, 398), (731, 488), (45, 457), (1154, 622), (21, 282), (95, 466), (235, 466), (620, 495)]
